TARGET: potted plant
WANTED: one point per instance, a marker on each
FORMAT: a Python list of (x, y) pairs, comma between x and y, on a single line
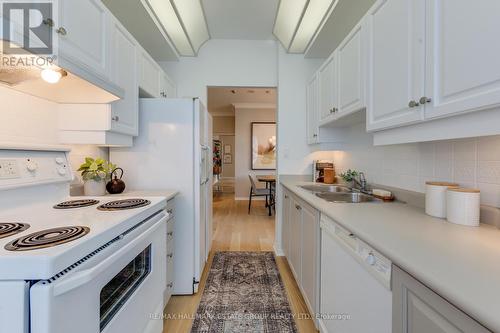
[(94, 174)]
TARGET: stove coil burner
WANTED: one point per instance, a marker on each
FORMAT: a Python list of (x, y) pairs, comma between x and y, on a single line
[(47, 238), (124, 204), (9, 229), (76, 204)]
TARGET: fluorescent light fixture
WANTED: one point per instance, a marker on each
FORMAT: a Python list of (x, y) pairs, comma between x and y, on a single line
[(297, 22), (184, 23)]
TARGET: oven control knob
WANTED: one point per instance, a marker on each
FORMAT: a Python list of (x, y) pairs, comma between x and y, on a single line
[(371, 260), (61, 171), (59, 160), (31, 166)]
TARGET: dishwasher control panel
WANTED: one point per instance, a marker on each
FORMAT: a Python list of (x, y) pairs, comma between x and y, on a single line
[(373, 261)]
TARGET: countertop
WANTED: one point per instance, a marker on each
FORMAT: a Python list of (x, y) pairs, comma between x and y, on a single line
[(462, 264)]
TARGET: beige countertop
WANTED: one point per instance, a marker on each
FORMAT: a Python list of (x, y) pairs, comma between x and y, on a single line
[(460, 263)]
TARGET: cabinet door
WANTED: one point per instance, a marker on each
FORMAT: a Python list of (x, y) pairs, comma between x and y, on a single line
[(417, 309), (296, 239), (285, 224), (124, 113), (167, 86), (310, 256), (396, 54), (149, 77), (463, 72), (312, 110), (351, 73), (328, 87), (84, 36)]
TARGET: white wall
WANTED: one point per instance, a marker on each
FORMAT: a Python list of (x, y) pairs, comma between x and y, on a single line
[(225, 63), (295, 156), (471, 162), (28, 119), (243, 145)]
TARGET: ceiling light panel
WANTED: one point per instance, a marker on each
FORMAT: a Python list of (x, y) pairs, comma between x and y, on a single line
[(313, 16), (193, 19), (289, 15), (167, 16)]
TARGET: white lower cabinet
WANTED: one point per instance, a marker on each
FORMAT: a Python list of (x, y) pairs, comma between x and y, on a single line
[(417, 309), (300, 230)]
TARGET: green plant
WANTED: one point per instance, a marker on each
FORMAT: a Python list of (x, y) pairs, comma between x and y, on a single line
[(349, 175), (96, 169)]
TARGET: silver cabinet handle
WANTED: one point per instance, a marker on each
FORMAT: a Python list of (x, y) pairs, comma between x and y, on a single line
[(170, 255), (315, 135), (115, 118), (331, 111), (298, 207), (286, 196), (171, 233), (425, 100), (413, 104), (170, 285), (170, 211), (62, 31)]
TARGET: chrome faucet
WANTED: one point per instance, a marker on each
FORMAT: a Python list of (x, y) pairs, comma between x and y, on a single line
[(361, 183)]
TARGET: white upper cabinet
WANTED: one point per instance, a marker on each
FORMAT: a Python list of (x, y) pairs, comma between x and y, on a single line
[(463, 72), (84, 34), (124, 113), (351, 73), (396, 59), (312, 111), (168, 89), (328, 88), (149, 75)]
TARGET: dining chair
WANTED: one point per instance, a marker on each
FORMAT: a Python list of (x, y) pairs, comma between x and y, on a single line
[(256, 192)]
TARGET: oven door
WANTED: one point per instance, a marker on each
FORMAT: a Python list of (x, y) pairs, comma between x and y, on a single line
[(118, 288)]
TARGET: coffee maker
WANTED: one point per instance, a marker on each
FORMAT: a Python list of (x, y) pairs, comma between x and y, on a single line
[(319, 167)]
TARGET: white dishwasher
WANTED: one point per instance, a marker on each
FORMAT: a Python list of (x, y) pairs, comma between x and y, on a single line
[(355, 292)]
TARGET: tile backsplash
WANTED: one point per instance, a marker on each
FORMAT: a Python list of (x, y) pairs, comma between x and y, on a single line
[(471, 162)]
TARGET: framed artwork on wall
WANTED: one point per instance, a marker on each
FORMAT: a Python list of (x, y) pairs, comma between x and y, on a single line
[(228, 159), (263, 141)]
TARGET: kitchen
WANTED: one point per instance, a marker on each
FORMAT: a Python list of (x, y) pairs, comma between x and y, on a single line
[(404, 92)]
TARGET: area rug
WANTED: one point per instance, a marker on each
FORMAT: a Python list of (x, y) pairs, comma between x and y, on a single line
[(244, 293)]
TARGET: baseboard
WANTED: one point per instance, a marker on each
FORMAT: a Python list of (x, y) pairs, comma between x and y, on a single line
[(278, 251)]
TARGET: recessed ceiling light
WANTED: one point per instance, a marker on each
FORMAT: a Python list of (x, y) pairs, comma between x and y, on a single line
[(298, 20), (52, 76)]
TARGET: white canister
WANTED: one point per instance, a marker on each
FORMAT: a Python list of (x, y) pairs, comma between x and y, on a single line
[(94, 188), (435, 198), (464, 206)]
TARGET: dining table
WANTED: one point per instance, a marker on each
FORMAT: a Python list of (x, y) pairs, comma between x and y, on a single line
[(270, 180)]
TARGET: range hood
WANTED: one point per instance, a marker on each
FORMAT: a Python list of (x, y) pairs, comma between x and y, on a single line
[(75, 87)]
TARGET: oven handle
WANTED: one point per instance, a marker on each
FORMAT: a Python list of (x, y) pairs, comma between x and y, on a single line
[(85, 276)]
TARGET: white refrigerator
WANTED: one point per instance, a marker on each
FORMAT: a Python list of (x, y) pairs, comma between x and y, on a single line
[(173, 151)]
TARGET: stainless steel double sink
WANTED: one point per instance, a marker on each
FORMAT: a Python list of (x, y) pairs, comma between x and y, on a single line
[(339, 194)]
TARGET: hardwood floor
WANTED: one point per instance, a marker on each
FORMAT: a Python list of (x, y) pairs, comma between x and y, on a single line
[(235, 230)]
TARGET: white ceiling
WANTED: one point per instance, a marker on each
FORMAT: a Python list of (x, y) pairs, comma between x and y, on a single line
[(240, 19), (221, 99)]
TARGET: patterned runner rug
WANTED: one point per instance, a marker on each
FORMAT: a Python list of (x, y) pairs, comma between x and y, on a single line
[(244, 294)]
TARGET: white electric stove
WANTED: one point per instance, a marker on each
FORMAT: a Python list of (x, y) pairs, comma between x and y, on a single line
[(81, 265)]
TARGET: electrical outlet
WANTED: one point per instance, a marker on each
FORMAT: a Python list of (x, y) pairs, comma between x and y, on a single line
[(9, 169)]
